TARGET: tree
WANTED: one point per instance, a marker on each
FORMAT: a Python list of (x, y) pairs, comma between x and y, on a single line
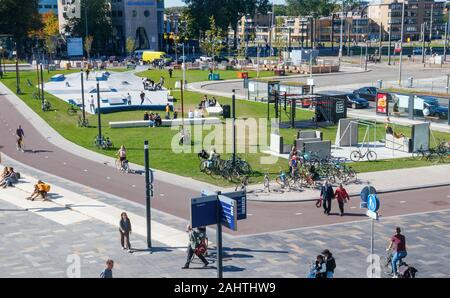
[(18, 18), (99, 24), (130, 45), (212, 43), (88, 45), (313, 8)]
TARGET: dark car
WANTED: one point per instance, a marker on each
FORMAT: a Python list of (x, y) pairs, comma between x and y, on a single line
[(436, 110), (369, 93), (221, 59), (356, 102)]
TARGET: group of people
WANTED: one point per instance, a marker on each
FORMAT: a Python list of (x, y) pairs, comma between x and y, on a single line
[(207, 102), (323, 266), (149, 84), (8, 177), (154, 119), (295, 162), (327, 194)]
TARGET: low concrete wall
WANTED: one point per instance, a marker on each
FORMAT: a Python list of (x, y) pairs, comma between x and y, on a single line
[(146, 123)]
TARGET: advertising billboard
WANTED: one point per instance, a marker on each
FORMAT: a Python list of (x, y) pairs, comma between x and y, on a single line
[(382, 103), (75, 47)]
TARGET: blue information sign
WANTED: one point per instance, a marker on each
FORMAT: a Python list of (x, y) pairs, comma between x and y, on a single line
[(366, 191), (373, 203), (203, 211), (228, 212), (241, 199)]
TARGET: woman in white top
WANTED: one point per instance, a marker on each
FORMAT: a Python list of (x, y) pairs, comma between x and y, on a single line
[(122, 153)]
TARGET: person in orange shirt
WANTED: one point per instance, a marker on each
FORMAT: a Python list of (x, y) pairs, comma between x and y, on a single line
[(167, 111)]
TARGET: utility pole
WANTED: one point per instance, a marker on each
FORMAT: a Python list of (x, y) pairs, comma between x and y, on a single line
[(381, 41), (423, 42), (342, 31), (367, 53), (446, 40), (431, 22), (42, 85), (348, 39), (390, 44), (82, 99), (148, 193), (233, 115), (99, 119), (401, 45)]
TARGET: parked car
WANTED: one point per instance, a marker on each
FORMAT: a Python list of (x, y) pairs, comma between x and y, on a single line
[(436, 110), (205, 59), (417, 51), (220, 59), (369, 93), (356, 102)]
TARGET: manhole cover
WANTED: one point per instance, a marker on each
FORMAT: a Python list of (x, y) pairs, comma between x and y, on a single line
[(440, 203)]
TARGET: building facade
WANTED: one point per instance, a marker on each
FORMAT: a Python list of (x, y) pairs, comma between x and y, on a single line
[(417, 12), (48, 5)]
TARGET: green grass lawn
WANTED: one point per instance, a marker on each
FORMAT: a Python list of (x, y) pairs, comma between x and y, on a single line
[(195, 75), (162, 156)]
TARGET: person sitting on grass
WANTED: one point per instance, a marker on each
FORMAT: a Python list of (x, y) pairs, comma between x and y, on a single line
[(152, 120), (40, 189), (158, 120), (146, 116), (10, 178)]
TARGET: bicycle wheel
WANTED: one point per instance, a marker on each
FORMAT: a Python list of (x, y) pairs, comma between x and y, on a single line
[(203, 166), (371, 155), (118, 165), (355, 156)]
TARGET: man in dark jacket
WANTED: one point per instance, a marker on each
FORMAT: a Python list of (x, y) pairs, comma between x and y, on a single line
[(327, 194), (330, 263)]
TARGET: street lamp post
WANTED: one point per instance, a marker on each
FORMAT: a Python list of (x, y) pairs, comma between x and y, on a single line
[(82, 99), (342, 31), (401, 45), (17, 73), (1, 56), (446, 41), (233, 107), (99, 119), (42, 86), (390, 44)]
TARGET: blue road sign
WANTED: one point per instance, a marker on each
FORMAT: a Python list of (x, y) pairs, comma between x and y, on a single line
[(203, 211), (373, 203), (366, 191), (241, 199), (228, 212)]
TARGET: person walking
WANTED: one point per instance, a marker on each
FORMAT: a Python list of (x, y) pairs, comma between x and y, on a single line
[(398, 244), (330, 263), (129, 99), (318, 268), (20, 134), (107, 272), (170, 72), (142, 97), (91, 104), (342, 197), (125, 231), (167, 111), (326, 195), (194, 241), (87, 73)]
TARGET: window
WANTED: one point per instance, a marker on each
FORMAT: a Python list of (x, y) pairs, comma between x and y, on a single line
[(146, 13)]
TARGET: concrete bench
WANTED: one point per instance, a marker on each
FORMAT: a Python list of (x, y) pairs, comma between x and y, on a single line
[(214, 111), (117, 101), (146, 123)]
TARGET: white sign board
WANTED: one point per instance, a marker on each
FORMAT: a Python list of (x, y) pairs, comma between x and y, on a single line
[(403, 101), (310, 82), (418, 103), (251, 87), (371, 214), (74, 47)]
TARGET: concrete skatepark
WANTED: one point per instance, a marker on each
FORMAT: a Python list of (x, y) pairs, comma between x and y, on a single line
[(114, 89)]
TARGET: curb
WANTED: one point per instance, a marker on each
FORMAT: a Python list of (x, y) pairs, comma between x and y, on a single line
[(383, 191)]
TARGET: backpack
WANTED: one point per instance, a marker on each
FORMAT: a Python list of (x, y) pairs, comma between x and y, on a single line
[(18, 175), (332, 264), (406, 271)]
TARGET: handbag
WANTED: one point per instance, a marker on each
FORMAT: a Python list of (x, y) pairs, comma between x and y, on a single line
[(319, 203)]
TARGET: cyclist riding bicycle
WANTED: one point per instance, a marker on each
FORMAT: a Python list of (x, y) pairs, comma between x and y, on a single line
[(398, 244), (122, 154), (20, 135)]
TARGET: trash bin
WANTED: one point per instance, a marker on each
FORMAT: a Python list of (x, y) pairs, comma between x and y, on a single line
[(226, 111), (410, 82), (380, 84)]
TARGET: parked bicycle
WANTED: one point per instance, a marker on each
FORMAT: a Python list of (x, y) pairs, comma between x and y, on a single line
[(242, 186), (358, 155), (103, 143), (73, 110), (440, 152), (82, 123)]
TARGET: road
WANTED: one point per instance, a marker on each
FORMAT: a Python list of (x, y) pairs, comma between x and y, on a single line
[(335, 81), (174, 199)]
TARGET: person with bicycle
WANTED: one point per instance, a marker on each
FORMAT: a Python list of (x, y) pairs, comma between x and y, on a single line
[(91, 104), (213, 156), (193, 247), (122, 154), (20, 134), (398, 245)]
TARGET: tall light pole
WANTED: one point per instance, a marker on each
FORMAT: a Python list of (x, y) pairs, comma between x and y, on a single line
[(390, 44), (431, 22), (342, 31), (401, 45)]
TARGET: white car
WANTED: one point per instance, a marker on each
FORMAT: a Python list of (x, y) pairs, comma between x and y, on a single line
[(205, 59)]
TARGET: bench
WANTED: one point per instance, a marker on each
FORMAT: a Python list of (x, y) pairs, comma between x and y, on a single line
[(431, 118), (165, 122)]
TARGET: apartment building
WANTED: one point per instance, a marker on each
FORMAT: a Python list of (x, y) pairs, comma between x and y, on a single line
[(45, 6), (417, 12)]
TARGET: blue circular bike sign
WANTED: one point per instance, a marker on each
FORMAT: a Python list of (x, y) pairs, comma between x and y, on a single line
[(373, 203)]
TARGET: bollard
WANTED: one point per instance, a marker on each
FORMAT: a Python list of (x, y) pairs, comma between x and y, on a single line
[(380, 84), (410, 82)]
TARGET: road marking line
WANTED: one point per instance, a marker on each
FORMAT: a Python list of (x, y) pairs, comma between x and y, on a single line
[(108, 178), (298, 213), (353, 207), (161, 195), (133, 185), (64, 163), (85, 170), (249, 214), (402, 202), (46, 157)]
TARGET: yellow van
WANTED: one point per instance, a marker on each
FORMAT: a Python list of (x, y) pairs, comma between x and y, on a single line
[(150, 56)]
